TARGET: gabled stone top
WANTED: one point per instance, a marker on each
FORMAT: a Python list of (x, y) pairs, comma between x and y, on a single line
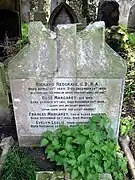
[(67, 53), (62, 14)]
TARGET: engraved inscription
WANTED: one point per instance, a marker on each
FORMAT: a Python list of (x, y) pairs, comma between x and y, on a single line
[(64, 102)]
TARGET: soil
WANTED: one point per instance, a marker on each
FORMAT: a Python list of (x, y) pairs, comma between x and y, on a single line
[(43, 163), (9, 130), (6, 131)]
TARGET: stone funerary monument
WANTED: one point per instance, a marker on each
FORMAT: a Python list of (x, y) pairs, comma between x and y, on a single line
[(64, 78)]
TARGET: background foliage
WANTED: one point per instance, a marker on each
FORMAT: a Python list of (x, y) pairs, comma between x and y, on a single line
[(123, 42)]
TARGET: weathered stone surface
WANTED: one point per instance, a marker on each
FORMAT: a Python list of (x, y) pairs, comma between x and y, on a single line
[(5, 116), (61, 175), (40, 16), (125, 8), (62, 14), (108, 12), (105, 177), (5, 144), (50, 175), (64, 78), (131, 18)]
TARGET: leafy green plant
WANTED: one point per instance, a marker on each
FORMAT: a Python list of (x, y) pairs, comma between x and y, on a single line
[(19, 166), (126, 126), (24, 40), (85, 151)]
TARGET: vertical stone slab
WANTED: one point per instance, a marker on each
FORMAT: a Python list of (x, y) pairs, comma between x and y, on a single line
[(125, 8), (4, 101), (131, 18), (36, 63), (65, 42), (64, 78), (103, 70)]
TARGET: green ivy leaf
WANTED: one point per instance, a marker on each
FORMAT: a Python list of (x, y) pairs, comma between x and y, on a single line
[(59, 160), (81, 170), (44, 142), (95, 118), (72, 162), (85, 132), (49, 148), (63, 153), (88, 147), (98, 168), (48, 135), (92, 177), (96, 138), (50, 155), (81, 158), (67, 133), (80, 140), (55, 142), (71, 155), (107, 165), (74, 174), (69, 140), (68, 147), (105, 148), (110, 133)]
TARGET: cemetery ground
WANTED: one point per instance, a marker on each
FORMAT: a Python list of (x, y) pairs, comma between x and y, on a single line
[(21, 163)]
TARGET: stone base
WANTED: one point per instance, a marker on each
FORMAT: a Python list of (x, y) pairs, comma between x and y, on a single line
[(5, 145), (50, 175), (42, 175), (29, 141)]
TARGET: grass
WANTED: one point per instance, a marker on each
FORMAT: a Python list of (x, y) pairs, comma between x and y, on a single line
[(19, 166)]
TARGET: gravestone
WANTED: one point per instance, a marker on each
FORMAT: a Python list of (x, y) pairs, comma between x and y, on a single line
[(131, 18), (108, 12), (64, 78), (124, 8), (62, 14)]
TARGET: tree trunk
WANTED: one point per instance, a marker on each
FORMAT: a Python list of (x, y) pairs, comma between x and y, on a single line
[(41, 5), (85, 9)]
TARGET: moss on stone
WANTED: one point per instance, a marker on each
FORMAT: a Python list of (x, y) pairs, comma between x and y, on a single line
[(50, 175)]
